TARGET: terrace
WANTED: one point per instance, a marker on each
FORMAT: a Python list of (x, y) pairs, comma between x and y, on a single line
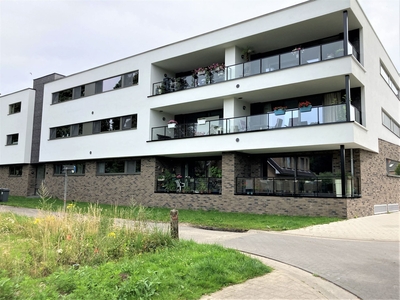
[(290, 118), (286, 59)]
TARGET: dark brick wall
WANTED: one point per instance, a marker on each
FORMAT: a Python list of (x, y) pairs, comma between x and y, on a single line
[(376, 186), (18, 185)]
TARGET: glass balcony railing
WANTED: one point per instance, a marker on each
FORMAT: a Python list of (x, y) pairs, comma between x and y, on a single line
[(302, 56), (191, 185), (309, 187), (290, 118)]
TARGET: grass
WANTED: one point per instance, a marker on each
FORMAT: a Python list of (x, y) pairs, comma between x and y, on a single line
[(82, 254), (208, 219)]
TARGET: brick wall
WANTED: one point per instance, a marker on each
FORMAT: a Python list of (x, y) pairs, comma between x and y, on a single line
[(376, 186), (18, 185)]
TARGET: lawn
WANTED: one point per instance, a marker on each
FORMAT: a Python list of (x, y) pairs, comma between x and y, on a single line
[(206, 219)]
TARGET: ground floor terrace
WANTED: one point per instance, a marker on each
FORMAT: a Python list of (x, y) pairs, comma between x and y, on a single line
[(308, 183)]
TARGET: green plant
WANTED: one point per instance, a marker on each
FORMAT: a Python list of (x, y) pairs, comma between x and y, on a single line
[(169, 181), (215, 172), (397, 170), (202, 185)]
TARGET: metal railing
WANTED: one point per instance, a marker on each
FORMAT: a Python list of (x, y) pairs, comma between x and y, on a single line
[(310, 187), (281, 61), (290, 118)]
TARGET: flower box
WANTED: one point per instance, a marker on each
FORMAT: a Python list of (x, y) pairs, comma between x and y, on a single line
[(305, 108), (279, 112), (172, 125)]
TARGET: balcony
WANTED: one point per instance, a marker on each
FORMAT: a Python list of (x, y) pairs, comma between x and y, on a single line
[(296, 57), (290, 118), (301, 187), (195, 185)]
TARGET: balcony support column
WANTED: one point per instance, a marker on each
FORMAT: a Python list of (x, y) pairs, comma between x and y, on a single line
[(343, 169), (347, 87), (345, 33)]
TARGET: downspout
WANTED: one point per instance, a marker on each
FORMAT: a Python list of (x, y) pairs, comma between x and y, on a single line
[(343, 170)]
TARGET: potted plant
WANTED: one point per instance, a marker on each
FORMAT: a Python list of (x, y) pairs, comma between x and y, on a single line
[(305, 106), (280, 110), (202, 185), (246, 53), (159, 89), (172, 123), (296, 51)]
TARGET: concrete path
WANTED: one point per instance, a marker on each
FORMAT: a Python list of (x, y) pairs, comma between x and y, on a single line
[(350, 259)]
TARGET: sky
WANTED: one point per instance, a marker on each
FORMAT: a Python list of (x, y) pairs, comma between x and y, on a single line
[(40, 37)]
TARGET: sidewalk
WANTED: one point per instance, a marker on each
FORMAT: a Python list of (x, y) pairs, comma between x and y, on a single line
[(287, 282)]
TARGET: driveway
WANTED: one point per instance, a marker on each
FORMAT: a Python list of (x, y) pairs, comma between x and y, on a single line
[(359, 255)]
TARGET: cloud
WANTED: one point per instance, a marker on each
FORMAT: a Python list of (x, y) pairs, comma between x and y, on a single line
[(69, 36)]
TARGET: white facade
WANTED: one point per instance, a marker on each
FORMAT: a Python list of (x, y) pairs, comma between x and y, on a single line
[(16, 123), (225, 45)]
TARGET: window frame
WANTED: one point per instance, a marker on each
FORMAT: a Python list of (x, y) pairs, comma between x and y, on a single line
[(58, 169), (129, 164), (391, 169), (11, 139), (15, 171), (97, 87), (390, 123), (11, 108)]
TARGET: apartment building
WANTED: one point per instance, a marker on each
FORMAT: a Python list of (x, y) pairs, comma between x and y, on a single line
[(294, 112)]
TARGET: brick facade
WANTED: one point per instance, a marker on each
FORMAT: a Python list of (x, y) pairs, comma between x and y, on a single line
[(376, 186)]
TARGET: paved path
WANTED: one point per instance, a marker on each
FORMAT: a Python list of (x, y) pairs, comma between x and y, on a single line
[(356, 257)]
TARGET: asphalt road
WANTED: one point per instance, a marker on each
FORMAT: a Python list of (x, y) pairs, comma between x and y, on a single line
[(368, 269)]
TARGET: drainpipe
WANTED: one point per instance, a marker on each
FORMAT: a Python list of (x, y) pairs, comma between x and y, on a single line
[(352, 172), (343, 170)]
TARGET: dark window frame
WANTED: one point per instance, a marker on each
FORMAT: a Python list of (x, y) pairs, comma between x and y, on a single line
[(81, 91), (15, 171), (14, 108), (104, 168)]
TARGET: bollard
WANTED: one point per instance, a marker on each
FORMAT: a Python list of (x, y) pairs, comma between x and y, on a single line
[(174, 224)]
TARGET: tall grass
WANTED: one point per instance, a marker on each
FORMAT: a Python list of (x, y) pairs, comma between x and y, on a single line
[(75, 237), (82, 253)]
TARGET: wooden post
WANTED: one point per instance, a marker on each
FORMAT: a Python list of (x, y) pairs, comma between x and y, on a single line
[(174, 224)]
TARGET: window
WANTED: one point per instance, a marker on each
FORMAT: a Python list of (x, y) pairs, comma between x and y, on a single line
[(109, 84), (119, 167), (14, 108), (15, 170), (390, 124), (393, 167), (106, 125), (12, 139), (59, 169), (385, 75), (112, 83)]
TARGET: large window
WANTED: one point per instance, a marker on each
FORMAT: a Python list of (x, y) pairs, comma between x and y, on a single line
[(390, 123), (385, 75), (15, 170), (106, 125), (14, 108), (118, 167), (97, 87), (393, 167), (59, 169), (12, 139)]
